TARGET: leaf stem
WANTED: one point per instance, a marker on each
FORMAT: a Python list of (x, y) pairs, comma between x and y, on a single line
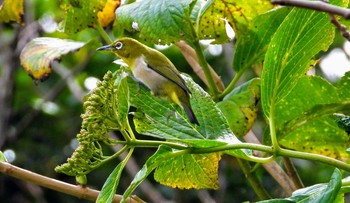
[(232, 84), (253, 180), (103, 34), (314, 157), (202, 61), (272, 126), (155, 143), (115, 155), (259, 147), (129, 130)]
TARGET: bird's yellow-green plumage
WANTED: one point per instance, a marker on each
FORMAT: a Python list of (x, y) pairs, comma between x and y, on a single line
[(155, 70)]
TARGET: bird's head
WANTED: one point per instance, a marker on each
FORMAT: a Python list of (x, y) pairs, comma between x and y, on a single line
[(126, 48)]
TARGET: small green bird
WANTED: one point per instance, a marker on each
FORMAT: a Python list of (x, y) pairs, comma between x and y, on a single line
[(155, 71)]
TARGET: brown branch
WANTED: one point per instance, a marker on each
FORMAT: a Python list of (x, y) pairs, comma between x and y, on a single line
[(315, 5), (63, 187), (340, 27), (292, 172)]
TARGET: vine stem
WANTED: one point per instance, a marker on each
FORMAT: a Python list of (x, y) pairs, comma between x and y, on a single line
[(63, 187), (103, 34), (205, 67), (232, 84), (315, 157), (272, 126), (259, 147)]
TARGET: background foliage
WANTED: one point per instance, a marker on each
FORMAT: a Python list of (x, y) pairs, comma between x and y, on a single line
[(40, 123)]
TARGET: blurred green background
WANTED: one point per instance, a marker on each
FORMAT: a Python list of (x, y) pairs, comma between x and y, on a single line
[(38, 123)]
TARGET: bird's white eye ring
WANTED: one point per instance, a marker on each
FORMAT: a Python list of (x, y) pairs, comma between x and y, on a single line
[(119, 45)]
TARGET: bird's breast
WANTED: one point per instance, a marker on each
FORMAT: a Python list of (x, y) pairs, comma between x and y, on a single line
[(153, 80)]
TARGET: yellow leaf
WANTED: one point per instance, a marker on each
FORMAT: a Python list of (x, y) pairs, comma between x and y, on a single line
[(11, 11), (190, 171), (37, 55), (217, 18), (107, 15)]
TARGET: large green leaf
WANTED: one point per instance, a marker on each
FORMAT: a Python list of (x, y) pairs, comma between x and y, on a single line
[(37, 56), (320, 193), (161, 21), (344, 85), (308, 92), (288, 58), (251, 47), (303, 122), (155, 117)]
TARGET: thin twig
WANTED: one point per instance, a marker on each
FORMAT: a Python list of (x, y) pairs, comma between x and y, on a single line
[(340, 27), (292, 172), (63, 187), (315, 5)]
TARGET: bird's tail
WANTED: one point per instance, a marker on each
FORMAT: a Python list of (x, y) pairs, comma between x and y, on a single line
[(190, 114)]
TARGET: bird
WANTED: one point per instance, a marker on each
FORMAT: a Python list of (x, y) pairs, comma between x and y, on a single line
[(153, 69)]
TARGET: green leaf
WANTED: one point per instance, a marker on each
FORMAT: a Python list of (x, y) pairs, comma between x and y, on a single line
[(308, 92), (288, 59), (251, 47), (239, 107), (122, 104), (343, 86), (110, 186), (321, 136), (190, 171), (239, 14), (37, 56), (80, 14), (303, 122), (320, 193), (160, 22), (152, 118), (163, 153), (2, 157), (11, 11)]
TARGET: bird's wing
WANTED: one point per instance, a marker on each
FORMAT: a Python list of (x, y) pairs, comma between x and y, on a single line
[(167, 70)]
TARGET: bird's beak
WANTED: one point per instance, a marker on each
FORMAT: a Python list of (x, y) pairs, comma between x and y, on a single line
[(106, 48)]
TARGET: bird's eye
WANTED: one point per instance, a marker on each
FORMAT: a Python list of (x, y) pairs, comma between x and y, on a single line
[(119, 45)]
